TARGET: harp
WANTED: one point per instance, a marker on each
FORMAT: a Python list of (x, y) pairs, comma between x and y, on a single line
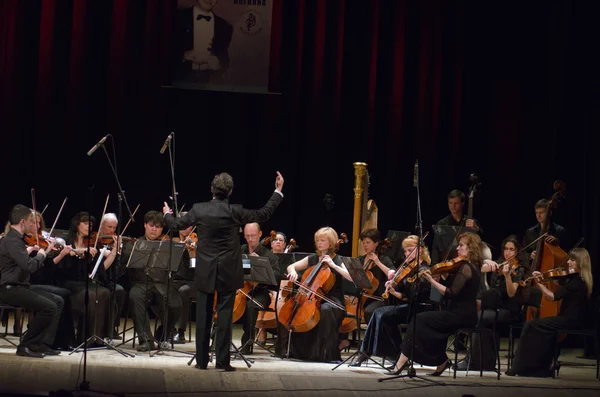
[(365, 210)]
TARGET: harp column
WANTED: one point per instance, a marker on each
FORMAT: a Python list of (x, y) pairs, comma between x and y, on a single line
[(360, 173)]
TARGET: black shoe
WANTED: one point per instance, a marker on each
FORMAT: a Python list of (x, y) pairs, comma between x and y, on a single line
[(199, 367), (398, 371), (179, 338), (225, 367), (446, 366), (48, 351), (26, 352), (359, 359), (146, 346), (159, 333), (17, 331), (246, 350), (510, 372)]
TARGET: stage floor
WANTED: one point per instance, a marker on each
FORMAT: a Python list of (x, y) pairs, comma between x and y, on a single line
[(169, 374)]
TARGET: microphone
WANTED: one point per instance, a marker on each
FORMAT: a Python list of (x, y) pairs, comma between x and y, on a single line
[(96, 146), (416, 173), (164, 147)]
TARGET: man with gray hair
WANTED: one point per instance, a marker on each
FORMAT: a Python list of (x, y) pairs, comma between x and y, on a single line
[(219, 261)]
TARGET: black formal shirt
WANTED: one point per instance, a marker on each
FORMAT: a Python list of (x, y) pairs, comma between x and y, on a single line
[(573, 293), (261, 250), (498, 283), (554, 230), (15, 263)]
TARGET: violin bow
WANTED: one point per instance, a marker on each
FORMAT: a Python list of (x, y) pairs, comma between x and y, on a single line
[(37, 237), (57, 216), (45, 208), (569, 253), (101, 219), (129, 221)]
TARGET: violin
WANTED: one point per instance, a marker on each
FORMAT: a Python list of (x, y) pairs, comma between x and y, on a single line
[(190, 243), (553, 274), (446, 267), (303, 312)]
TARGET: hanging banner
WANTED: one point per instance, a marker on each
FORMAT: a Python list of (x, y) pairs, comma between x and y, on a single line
[(223, 45)]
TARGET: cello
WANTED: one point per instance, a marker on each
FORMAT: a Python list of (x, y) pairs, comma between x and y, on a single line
[(548, 257), (303, 312)]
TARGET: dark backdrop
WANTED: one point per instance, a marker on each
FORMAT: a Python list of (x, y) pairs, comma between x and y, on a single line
[(507, 90)]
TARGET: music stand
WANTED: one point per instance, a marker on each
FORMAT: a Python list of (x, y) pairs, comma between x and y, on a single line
[(162, 255)]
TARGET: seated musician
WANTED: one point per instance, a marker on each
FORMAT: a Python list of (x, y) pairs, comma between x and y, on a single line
[(75, 268), (383, 337), (380, 266), (150, 285), (184, 282), (505, 283), (260, 292), (278, 244), (536, 346), (108, 227), (556, 233), (15, 269), (426, 344), (321, 342)]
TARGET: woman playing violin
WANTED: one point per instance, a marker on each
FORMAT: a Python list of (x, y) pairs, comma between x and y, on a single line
[(73, 271), (434, 328), (321, 343), (506, 273), (383, 337), (536, 347)]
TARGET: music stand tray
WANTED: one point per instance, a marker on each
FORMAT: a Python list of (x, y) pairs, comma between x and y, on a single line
[(261, 271), (151, 254)]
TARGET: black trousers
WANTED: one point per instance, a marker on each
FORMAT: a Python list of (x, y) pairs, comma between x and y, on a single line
[(120, 296), (47, 308), (98, 303), (139, 296), (261, 296), (204, 315), (65, 333), (186, 292)]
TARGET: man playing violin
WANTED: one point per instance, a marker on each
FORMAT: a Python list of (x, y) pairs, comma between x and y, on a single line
[(15, 269), (260, 293), (556, 233), (184, 280), (150, 285)]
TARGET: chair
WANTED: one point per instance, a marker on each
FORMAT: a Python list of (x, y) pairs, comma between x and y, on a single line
[(350, 290), (534, 300), (489, 301), (593, 333), (3, 307), (252, 340)]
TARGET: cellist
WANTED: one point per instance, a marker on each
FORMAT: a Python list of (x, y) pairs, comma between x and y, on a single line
[(321, 343)]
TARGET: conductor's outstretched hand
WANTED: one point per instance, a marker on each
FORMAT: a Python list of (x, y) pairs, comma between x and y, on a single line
[(279, 181)]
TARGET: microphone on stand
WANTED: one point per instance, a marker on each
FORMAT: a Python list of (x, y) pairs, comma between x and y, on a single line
[(96, 146), (416, 173), (167, 141)]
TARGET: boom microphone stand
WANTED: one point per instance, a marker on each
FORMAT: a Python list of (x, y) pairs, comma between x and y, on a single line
[(410, 372)]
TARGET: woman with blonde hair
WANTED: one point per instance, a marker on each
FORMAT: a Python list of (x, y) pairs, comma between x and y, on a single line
[(536, 347), (425, 342), (383, 337), (321, 343)]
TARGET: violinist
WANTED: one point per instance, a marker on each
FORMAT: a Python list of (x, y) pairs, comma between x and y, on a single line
[(504, 283), (278, 243), (15, 269), (456, 202), (108, 227), (383, 337), (75, 268), (536, 347), (184, 280), (321, 343), (433, 328), (260, 292), (150, 285), (556, 233), (380, 266), (218, 260)]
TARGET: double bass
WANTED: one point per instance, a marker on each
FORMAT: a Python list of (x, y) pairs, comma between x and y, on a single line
[(548, 257)]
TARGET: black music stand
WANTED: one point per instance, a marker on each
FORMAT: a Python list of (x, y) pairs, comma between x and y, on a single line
[(361, 282), (261, 272), (163, 255)]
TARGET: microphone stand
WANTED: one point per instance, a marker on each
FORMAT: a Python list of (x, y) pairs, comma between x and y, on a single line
[(411, 373), (163, 344)]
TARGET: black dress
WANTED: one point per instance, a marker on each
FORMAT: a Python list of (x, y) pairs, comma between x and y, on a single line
[(320, 344), (538, 338), (434, 328), (372, 304)]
